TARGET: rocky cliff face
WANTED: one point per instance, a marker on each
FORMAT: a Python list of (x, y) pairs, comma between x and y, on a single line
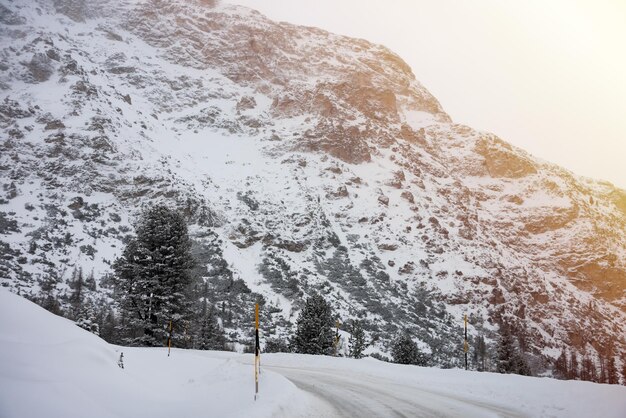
[(305, 161)]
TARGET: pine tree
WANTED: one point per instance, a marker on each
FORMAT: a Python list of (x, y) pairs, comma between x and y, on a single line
[(210, 335), (153, 275), (77, 284), (584, 370), (405, 351), (522, 365), (573, 367), (90, 282), (357, 343), (602, 376), (48, 298), (506, 353), (611, 371), (608, 368), (510, 360), (560, 366), (588, 370), (480, 353), (108, 326), (314, 327)]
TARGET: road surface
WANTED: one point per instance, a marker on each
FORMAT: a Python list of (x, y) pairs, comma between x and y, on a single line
[(349, 394)]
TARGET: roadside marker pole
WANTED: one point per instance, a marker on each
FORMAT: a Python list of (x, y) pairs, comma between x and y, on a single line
[(465, 345), (257, 342), (169, 340), (337, 324), (257, 352)]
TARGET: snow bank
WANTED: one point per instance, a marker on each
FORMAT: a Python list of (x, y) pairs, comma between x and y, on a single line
[(50, 367)]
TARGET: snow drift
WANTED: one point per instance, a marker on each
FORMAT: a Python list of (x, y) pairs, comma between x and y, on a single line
[(50, 367)]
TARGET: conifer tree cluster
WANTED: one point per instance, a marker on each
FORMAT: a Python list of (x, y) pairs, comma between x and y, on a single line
[(510, 357), (153, 284), (568, 367)]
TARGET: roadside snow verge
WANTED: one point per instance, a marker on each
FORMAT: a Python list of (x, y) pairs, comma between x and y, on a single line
[(50, 367)]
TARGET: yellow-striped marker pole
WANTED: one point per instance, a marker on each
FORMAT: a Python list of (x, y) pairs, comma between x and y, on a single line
[(257, 351), (257, 340), (169, 340), (465, 344)]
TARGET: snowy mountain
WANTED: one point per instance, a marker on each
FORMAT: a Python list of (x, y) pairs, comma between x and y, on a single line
[(305, 162)]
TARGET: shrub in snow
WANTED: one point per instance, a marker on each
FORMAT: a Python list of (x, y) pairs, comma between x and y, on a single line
[(405, 351), (276, 345), (86, 319)]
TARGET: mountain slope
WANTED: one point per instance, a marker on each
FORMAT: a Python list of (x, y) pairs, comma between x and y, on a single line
[(305, 161)]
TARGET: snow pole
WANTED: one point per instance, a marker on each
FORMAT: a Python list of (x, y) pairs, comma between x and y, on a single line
[(169, 340), (257, 342), (337, 324), (465, 344), (257, 352)]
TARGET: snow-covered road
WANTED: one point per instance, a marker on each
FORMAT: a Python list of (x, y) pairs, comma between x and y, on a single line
[(342, 394), (343, 387)]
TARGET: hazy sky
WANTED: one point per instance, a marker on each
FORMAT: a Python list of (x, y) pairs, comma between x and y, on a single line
[(546, 75)]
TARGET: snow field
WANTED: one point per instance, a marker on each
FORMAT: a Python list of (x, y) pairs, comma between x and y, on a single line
[(50, 367)]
